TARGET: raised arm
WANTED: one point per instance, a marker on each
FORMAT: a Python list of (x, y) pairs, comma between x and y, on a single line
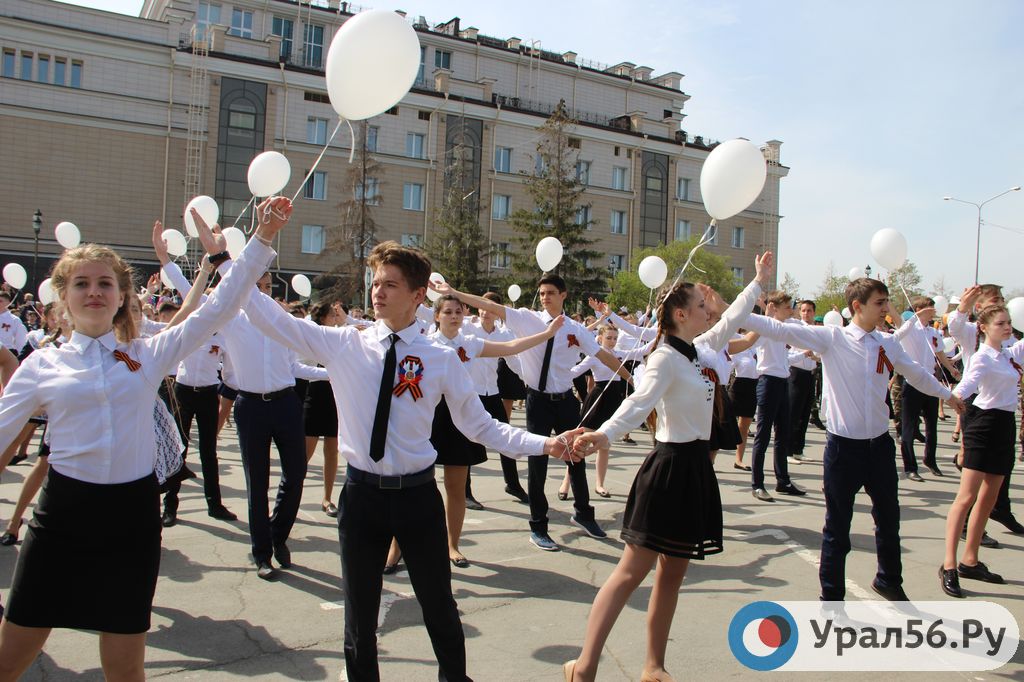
[(642, 333), (478, 302), (307, 338), (195, 294), (497, 349), (816, 339), (739, 345), (732, 318)]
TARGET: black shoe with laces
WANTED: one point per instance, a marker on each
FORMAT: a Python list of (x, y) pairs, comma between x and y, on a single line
[(950, 582), (1008, 520), (518, 493), (890, 593), (979, 571)]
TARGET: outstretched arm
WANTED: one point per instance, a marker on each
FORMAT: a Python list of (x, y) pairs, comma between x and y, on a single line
[(742, 344), (195, 294), (477, 302), (732, 316), (497, 349), (612, 363)]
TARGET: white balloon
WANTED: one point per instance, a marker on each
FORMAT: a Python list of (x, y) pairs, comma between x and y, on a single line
[(941, 305), (371, 64), (549, 253), (15, 275), (302, 285), (856, 273), (208, 210), (166, 280), (1015, 306), (46, 293), (846, 313), (653, 271), (436, 278), (235, 239), (514, 292), (732, 178), (833, 319), (176, 243), (889, 248), (269, 172), (68, 235), (948, 344), (955, 300)]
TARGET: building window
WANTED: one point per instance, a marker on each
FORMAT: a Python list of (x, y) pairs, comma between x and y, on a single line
[(423, 63), (207, 15), (500, 255), (413, 240), (503, 159), (316, 186), (539, 166), (620, 178), (320, 97), (714, 238), (76, 74), (372, 192), (316, 130), (683, 189), (371, 138), (442, 59), (682, 230), (414, 145), (240, 120), (283, 27), (312, 238), (574, 142), (241, 23), (619, 225), (500, 206), (737, 276), (43, 69), (412, 197), (737, 237), (583, 172), (616, 262), (583, 216), (26, 66), (312, 46), (8, 64), (60, 68)]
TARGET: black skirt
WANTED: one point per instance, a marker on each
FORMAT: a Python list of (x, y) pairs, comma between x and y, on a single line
[(743, 393), (319, 413), (725, 433), (674, 506), (301, 385), (109, 535), (453, 449), (603, 401), (990, 440), (510, 386)]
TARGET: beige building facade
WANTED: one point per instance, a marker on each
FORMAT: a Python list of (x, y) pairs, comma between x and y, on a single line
[(112, 122)]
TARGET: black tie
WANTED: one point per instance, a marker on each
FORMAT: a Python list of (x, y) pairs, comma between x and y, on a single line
[(545, 365), (380, 419)]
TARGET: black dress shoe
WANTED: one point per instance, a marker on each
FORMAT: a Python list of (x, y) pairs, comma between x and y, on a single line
[(950, 582), (979, 571), (17, 459), (169, 518), (265, 571), (283, 555), (390, 569), (471, 503), (790, 489), (986, 540), (919, 437), (221, 513), (1008, 520), (518, 493), (934, 468), (890, 593), (8, 539)]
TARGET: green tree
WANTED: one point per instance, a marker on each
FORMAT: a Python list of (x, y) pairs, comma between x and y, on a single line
[(831, 295), (457, 246), (558, 211), (904, 283), (790, 286), (627, 289)]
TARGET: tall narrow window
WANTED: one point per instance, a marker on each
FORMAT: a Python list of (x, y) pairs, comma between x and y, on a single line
[(43, 69), (76, 74), (500, 205), (284, 28), (503, 159), (207, 14), (412, 197), (737, 237), (583, 216), (423, 64), (313, 238), (501, 257), (414, 145), (616, 262), (26, 66), (60, 71), (618, 222), (371, 192), (682, 230), (8, 69), (312, 46), (620, 178), (683, 189), (316, 130), (583, 172), (316, 186), (371, 138)]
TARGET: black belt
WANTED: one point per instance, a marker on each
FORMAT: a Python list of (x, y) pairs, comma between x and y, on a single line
[(267, 397), (861, 441), (198, 389), (390, 482), (801, 369), (553, 397)]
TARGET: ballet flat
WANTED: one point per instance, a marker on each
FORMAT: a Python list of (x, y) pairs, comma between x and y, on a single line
[(568, 669), (647, 677)]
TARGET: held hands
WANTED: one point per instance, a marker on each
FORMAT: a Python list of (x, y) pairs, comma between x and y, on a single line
[(273, 214), (957, 404), (590, 442), (561, 446), (763, 267)]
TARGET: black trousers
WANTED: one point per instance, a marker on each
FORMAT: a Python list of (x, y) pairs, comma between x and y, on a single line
[(201, 405), (916, 404), (368, 517), (801, 398), (544, 417), (849, 466), (772, 414), (259, 422), (496, 408)]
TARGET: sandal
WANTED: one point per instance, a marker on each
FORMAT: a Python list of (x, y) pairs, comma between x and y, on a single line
[(602, 492), (390, 569), (330, 509), (9, 538)]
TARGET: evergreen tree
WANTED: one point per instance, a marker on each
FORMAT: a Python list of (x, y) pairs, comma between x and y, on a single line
[(457, 245)]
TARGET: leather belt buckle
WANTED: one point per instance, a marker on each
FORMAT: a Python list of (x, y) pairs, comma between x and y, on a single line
[(389, 482)]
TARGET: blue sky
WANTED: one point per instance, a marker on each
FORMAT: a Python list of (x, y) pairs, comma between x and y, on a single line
[(883, 108)]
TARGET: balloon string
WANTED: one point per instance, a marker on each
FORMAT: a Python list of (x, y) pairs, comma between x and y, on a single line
[(322, 152), (935, 352), (241, 214)]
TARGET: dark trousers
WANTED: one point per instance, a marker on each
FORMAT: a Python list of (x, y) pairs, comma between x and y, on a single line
[(368, 518), (202, 406), (801, 398), (258, 423), (509, 471), (772, 413), (544, 417), (916, 404), (849, 466)]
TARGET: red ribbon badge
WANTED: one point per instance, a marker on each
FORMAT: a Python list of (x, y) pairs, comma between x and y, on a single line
[(5, 326), (727, 356), (410, 371), (573, 341), (711, 375), (462, 354), (883, 361), (133, 365), (214, 350)]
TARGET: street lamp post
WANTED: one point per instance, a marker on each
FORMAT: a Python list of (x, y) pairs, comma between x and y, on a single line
[(867, 271), (977, 247), (37, 225)]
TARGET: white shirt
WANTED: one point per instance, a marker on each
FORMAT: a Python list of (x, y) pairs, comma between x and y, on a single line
[(484, 371), (101, 413), (745, 362), (675, 386), (994, 376), (772, 357), (200, 368), (852, 385), (965, 333), (643, 333), (355, 362), (148, 327), (13, 333), (797, 357), (601, 371), (569, 342), (227, 371), (920, 342)]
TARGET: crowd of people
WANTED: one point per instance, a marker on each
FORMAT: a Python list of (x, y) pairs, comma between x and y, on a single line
[(115, 380)]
